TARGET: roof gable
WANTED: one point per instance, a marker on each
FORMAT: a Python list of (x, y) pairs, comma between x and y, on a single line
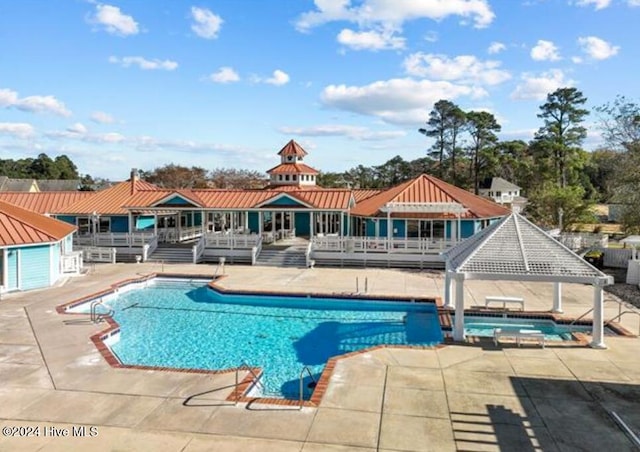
[(176, 200), (110, 201), (19, 226), (284, 200), (292, 148)]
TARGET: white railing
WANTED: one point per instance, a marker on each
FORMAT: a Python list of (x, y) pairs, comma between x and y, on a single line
[(94, 254), (255, 251), (227, 241), (268, 237), (71, 262), (379, 245), (173, 235), (149, 248), (198, 249), (116, 239)]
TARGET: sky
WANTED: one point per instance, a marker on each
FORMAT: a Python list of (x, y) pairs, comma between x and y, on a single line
[(124, 84)]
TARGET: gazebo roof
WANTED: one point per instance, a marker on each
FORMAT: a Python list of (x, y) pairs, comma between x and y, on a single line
[(516, 249)]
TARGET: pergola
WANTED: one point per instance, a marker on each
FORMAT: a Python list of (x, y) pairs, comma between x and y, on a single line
[(514, 249)]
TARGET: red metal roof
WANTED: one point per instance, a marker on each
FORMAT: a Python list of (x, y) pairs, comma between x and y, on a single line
[(360, 194), (45, 202), (292, 168), (292, 148), (19, 226), (110, 201), (425, 189)]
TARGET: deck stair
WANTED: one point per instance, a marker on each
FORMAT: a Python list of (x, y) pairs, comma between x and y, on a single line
[(176, 253), (283, 256)]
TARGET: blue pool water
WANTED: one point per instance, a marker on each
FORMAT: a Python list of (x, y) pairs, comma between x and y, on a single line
[(182, 325), (484, 327)]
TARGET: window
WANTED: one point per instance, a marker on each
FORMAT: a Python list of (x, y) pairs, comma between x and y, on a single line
[(294, 177), (84, 226), (289, 158), (280, 177), (413, 228), (438, 229), (498, 193), (286, 177), (104, 224)]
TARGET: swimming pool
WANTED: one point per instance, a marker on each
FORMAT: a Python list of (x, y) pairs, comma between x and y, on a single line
[(187, 325), (484, 326)]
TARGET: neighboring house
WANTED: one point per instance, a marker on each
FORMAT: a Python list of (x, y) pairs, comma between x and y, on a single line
[(35, 250), (58, 184), (18, 185), (499, 190)]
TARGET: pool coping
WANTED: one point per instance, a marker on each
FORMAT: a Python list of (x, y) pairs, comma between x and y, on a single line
[(241, 392)]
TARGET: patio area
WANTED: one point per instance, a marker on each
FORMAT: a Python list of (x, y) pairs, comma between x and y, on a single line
[(456, 397)]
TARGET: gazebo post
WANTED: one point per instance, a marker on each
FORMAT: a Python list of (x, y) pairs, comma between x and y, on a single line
[(598, 317), (557, 297), (448, 281), (458, 331)]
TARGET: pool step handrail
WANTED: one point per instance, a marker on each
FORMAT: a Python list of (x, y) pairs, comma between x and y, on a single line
[(620, 303), (619, 316), (244, 367), (304, 370), (93, 311)]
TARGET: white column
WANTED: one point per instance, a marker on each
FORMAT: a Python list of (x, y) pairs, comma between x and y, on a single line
[(598, 318), (155, 223), (312, 225), (557, 297), (453, 232), (260, 223), (458, 330), (448, 283), (341, 232), (5, 268), (246, 220), (130, 222)]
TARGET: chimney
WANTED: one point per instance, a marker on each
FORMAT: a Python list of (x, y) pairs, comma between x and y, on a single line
[(134, 178)]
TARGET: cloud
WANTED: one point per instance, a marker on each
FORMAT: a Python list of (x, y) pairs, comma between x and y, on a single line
[(143, 63), (391, 14), (102, 118), (633, 3), (396, 101), (114, 21), (370, 40), (278, 78), (537, 87), (17, 129), (596, 48), (33, 104), (224, 75), (466, 68), (340, 130), (598, 4), (545, 51), (77, 128), (496, 47), (207, 24)]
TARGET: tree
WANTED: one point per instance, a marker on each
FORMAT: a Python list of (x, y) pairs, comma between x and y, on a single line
[(562, 133), (392, 172), (514, 163), (177, 176), (236, 178), (445, 123), (620, 122), (482, 127), (550, 205)]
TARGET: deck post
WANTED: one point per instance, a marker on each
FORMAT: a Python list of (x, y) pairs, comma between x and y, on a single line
[(598, 318), (557, 297), (458, 331), (448, 281), (312, 225)]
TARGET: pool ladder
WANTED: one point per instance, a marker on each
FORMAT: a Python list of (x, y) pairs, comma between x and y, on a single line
[(94, 316), (245, 367)]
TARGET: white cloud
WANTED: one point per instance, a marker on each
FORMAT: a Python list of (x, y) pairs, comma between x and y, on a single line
[(537, 87), (633, 3), (224, 75), (396, 101), (545, 51), (16, 129), (278, 78), (114, 21), (102, 118), (467, 68), (392, 14), (207, 24), (143, 63), (597, 48), (33, 104), (598, 4), (341, 130), (370, 40), (77, 128), (496, 47), (576, 59)]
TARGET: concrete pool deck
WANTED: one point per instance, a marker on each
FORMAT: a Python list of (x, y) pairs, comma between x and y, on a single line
[(465, 397)]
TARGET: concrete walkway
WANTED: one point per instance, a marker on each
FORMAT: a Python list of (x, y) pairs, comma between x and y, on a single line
[(459, 397)]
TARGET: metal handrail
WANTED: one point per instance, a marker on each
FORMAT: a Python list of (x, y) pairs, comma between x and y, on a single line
[(93, 314), (244, 367), (591, 310), (308, 371), (623, 313)]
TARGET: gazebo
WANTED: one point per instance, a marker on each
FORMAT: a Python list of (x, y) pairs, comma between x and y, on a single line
[(514, 249)]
